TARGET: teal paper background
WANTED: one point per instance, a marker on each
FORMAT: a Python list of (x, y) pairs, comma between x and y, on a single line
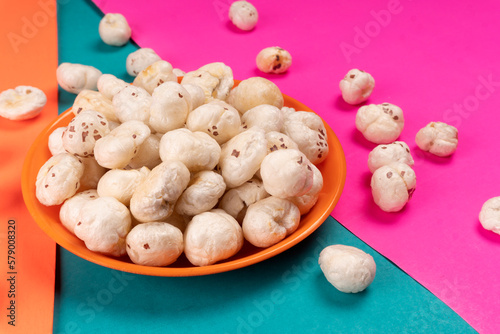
[(285, 293)]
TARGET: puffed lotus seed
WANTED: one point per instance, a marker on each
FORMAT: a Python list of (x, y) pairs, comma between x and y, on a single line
[(74, 78), (132, 103), (218, 119), (307, 130), (202, 194), (58, 179), (273, 60), (83, 131), (121, 145), (170, 106), (438, 138), (242, 155), (255, 91), (154, 244), (196, 150), (286, 173), (489, 216), (121, 184), (269, 221), (114, 29), (347, 268), (155, 197), (243, 15), (22, 102), (264, 116), (138, 60), (236, 200), (70, 210), (211, 237), (356, 86), (109, 85), (386, 154), (103, 224), (380, 124), (154, 75), (393, 186)]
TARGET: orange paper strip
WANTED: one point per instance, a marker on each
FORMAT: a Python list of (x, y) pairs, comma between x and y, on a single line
[(28, 56)]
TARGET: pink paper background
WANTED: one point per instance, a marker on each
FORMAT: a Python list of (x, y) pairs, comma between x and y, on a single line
[(432, 58)]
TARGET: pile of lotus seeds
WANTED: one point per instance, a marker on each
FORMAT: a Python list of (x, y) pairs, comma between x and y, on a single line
[(166, 166)]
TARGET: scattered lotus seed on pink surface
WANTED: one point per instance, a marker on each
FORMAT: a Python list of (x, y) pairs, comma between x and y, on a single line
[(274, 60), (243, 15), (356, 86)]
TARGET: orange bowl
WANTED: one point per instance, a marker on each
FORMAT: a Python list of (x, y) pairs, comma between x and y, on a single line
[(333, 169)]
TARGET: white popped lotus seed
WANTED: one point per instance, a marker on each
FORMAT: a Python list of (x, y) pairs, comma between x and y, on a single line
[(22, 102), (120, 146), (58, 179), (201, 78), (269, 221), (279, 141), (242, 155), (170, 106), (392, 186), (114, 29), (224, 74), (273, 60), (76, 77), (196, 150), (386, 154), (356, 86), (70, 210), (148, 153), (83, 131), (216, 80), (309, 199), (218, 119), (380, 123), (109, 85), (138, 60), (154, 244), (132, 103), (92, 100), (154, 75), (287, 173), (438, 138), (121, 184), (255, 91), (264, 116), (202, 194), (212, 236), (489, 216), (236, 201), (197, 95), (103, 224), (243, 15), (308, 131), (155, 197), (347, 268), (56, 141), (92, 173)]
